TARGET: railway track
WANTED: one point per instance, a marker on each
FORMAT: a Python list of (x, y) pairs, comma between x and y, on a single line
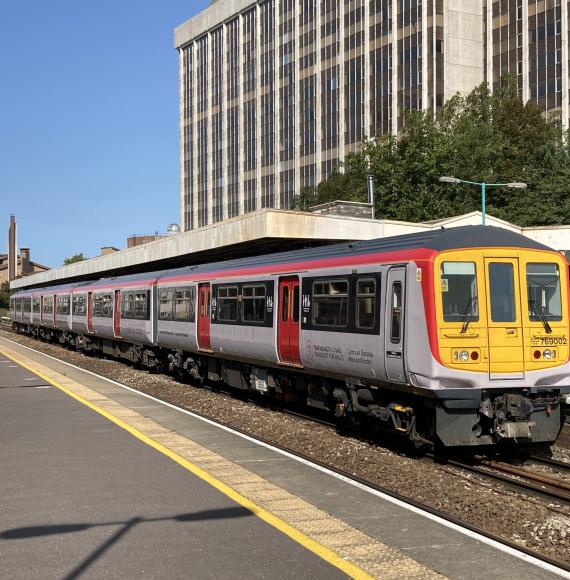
[(520, 477)]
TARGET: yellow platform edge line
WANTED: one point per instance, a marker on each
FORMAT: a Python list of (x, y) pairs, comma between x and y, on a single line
[(323, 552)]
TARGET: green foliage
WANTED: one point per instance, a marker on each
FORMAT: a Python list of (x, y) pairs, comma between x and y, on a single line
[(5, 293), (484, 136), (73, 259)]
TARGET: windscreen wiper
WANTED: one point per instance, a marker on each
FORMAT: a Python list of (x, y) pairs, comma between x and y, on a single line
[(468, 313), (535, 307)]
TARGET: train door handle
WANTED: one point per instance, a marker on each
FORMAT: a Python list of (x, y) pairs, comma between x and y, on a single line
[(394, 353), (511, 331)]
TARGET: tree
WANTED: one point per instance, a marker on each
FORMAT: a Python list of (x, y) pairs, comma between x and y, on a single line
[(5, 293), (493, 137), (73, 259)]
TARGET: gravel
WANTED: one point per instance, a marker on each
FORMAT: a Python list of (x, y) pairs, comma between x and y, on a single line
[(529, 521)]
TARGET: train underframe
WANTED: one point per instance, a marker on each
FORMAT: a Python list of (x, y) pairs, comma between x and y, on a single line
[(524, 417)]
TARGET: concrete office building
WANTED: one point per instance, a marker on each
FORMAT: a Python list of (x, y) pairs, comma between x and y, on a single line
[(274, 93)]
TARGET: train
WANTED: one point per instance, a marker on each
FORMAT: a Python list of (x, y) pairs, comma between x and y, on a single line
[(449, 338)]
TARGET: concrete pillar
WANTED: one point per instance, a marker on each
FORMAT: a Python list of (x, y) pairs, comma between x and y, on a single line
[(525, 63), (210, 182), (395, 67), (340, 62), (564, 68), (258, 107), (241, 115), (194, 97), (318, 71), (297, 105), (366, 71), (12, 259), (225, 128), (181, 97), (425, 44), (277, 128), (434, 55), (489, 55)]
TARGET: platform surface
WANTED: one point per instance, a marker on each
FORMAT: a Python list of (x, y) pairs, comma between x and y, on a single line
[(101, 482)]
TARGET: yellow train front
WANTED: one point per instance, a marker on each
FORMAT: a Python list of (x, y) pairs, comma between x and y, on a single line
[(501, 318)]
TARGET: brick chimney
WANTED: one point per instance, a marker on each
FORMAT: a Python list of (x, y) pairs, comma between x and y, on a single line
[(12, 268), (25, 261), (106, 250)]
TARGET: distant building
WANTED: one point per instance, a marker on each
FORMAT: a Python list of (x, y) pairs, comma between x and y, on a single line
[(24, 266), (140, 239), (275, 93), (106, 250)]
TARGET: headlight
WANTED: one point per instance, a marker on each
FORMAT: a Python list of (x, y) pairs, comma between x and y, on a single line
[(463, 356), (547, 354)]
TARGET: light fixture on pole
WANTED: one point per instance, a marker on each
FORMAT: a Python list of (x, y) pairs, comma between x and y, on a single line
[(484, 186), (371, 192)]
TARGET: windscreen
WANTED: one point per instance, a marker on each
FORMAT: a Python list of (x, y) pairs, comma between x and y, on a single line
[(459, 291)]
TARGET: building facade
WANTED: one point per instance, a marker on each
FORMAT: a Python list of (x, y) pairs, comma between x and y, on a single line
[(23, 267), (274, 93)]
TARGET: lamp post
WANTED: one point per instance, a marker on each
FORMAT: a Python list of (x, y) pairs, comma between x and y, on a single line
[(371, 192), (484, 186)]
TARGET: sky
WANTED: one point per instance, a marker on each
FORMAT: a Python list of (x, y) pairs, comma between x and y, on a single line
[(89, 139)]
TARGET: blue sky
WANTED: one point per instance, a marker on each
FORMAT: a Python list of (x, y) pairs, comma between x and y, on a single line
[(88, 122)]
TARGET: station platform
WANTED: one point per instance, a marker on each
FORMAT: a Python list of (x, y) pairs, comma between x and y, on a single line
[(100, 481)]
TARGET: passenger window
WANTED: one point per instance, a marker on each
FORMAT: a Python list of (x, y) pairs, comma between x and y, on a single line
[(295, 304), (135, 305), (102, 306), (227, 303), (396, 325), (165, 301), (79, 304), (330, 303), (365, 303), (285, 304), (253, 303), (204, 302), (502, 292), (184, 304), (141, 305), (48, 304), (62, 305)]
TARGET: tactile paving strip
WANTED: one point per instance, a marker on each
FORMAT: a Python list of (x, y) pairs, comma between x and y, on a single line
[(363, 555)]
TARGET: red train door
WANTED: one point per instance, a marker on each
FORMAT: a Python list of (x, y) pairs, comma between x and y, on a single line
[(41, 309), (117, 314), (90, 312), (54, 310), (288, 321), (204, 316)]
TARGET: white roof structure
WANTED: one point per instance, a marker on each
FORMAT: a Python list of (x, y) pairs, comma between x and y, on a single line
[(264, 231)]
